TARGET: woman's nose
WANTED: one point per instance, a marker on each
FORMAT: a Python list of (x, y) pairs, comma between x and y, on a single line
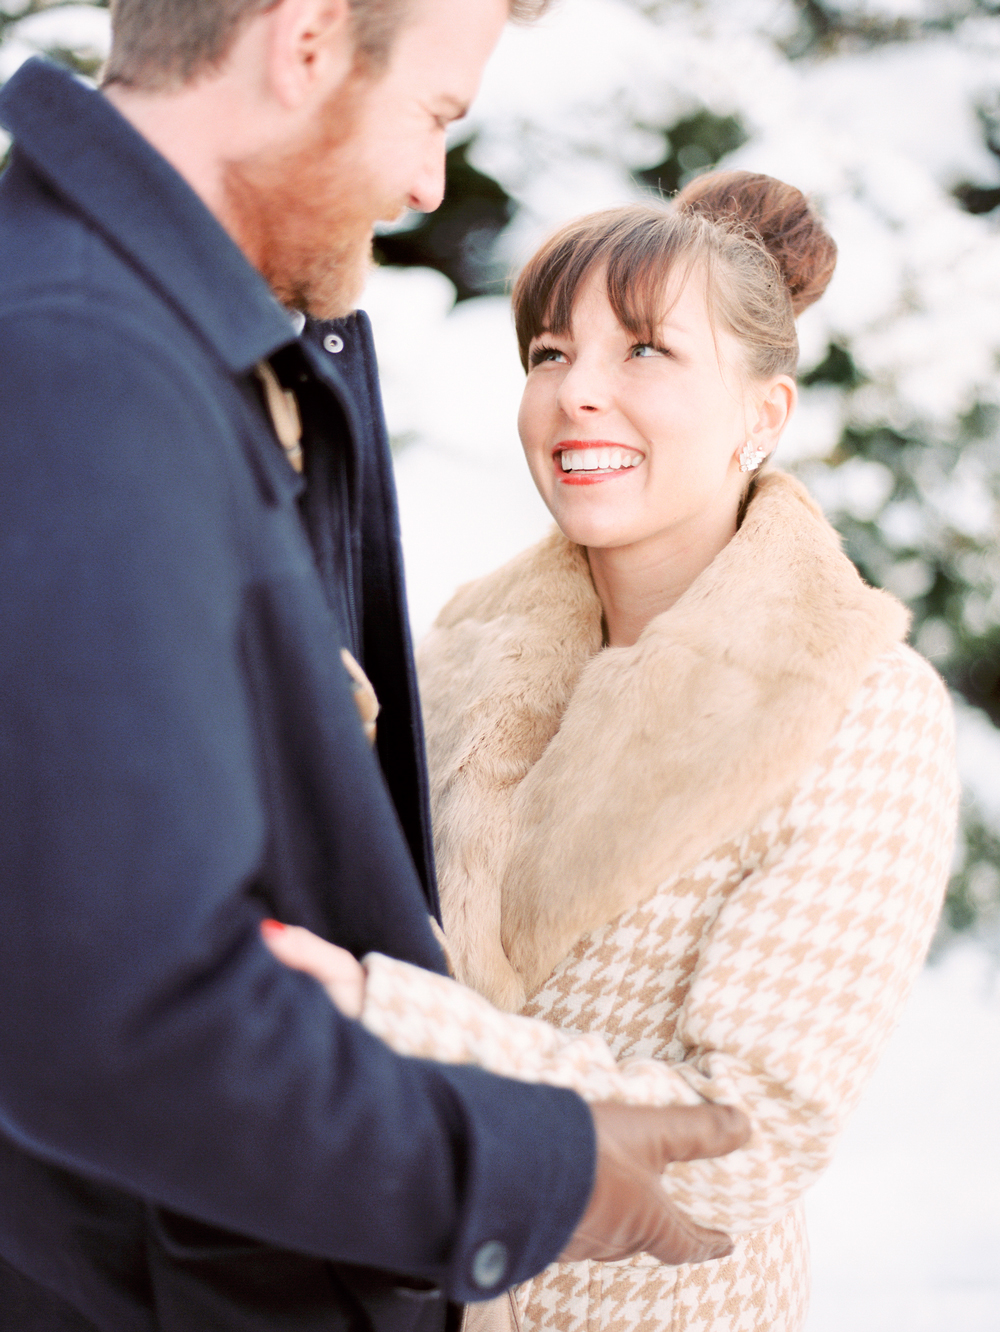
[(583, 390)]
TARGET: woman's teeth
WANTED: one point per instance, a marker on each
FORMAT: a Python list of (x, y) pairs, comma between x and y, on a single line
[(598, 460)]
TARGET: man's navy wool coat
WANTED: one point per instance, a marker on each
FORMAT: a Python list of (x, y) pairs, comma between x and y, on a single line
[(191, 1137)]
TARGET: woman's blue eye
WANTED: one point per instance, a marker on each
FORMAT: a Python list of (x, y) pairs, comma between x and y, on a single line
[(540, 354), (647, 349)]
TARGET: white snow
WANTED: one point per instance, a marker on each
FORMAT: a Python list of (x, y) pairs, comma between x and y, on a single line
[(81, 28), (905, 1225), (979, 759), (452, 383)]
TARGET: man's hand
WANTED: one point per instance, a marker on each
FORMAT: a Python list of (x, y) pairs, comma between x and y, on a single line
[(628, 1210)]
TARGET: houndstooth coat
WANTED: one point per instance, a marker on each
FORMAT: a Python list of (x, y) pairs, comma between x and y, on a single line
[(711, 862)]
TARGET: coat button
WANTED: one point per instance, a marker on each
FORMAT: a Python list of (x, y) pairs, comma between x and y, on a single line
[(489, 1265), (333, 343)]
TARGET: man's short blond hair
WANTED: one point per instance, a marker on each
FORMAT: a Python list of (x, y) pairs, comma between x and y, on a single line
[(159, 44)]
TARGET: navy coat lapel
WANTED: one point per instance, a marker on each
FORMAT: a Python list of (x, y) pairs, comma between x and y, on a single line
[(344, 352)]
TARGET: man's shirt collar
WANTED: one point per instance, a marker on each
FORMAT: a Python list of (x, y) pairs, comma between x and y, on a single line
[(94, 158)]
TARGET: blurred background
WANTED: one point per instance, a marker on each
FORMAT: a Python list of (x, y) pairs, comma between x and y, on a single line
[(887, 112)]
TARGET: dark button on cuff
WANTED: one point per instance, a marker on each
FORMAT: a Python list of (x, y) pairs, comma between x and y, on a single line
[(489, 1266)]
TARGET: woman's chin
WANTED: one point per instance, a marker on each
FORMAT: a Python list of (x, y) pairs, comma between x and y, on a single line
[(600, 515), (590, 532)]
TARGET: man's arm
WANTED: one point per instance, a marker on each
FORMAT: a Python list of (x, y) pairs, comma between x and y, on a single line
[(157, 1044)]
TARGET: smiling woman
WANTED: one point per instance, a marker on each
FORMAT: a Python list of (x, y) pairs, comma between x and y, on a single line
[(693, 797), (660, 348), (634, 445)]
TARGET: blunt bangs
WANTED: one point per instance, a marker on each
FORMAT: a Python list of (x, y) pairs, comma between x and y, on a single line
[(638, 246)]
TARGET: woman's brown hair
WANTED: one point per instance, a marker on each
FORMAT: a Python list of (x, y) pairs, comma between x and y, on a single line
[(765, 252)]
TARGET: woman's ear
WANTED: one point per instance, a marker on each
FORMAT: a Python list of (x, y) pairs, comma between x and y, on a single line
[(773, 404), (310, 50)]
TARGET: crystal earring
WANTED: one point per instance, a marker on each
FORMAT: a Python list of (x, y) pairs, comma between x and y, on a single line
[(751, 458)]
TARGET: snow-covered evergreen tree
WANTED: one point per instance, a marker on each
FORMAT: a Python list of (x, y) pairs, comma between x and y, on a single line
[(887, 112)]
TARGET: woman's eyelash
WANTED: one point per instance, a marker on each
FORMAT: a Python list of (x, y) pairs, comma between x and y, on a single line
[(542, 353), (546, 353)]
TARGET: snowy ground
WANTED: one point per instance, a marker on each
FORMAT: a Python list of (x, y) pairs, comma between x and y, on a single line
[(905, 1226)]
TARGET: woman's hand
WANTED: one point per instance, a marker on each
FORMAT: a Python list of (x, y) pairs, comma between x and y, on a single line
[(337, 970)]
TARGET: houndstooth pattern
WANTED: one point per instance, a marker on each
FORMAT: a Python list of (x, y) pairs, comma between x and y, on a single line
[(768, 977), (762, 1284)]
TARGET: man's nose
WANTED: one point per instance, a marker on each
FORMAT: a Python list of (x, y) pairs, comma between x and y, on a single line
[(427, 186)]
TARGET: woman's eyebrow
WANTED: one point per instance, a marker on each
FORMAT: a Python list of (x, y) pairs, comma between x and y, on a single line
[(672, 325)]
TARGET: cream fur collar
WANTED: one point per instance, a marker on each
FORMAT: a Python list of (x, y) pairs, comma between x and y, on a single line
[(569, 782)]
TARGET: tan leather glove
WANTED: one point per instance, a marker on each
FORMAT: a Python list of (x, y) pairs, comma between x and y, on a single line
[(628, 1210)]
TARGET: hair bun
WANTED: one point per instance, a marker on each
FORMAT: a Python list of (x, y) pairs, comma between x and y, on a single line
[(792, 231)]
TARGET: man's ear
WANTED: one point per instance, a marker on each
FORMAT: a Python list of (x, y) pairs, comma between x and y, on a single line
[(309, 50), (774, 407)]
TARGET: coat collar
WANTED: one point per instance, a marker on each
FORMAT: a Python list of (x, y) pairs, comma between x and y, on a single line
[(76, 140), (570, 782)]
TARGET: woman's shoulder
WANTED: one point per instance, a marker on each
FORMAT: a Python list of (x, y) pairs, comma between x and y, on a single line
[(886, 785), (903, 681), (900, 718)]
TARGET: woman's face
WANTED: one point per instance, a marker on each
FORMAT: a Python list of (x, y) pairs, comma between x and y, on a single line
[(636, 443)]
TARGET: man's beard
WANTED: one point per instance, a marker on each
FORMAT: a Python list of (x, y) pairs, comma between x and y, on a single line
[(304, 216)]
